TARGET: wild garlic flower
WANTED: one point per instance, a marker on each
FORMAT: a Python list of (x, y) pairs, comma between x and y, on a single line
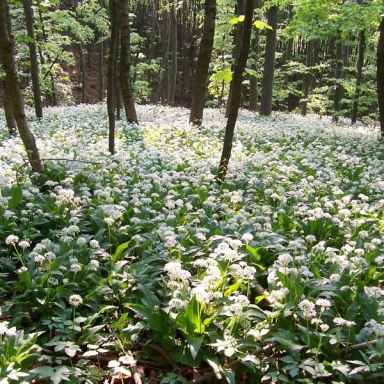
[(308, 308), (23, 244), (11, 240), (324, 304), (75, 300)]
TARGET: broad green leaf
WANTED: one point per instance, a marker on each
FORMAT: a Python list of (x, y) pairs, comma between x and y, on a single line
[(16, 197), (194, 344), (224, 75)]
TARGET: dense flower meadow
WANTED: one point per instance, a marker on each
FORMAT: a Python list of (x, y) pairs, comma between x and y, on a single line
[(139, 267)]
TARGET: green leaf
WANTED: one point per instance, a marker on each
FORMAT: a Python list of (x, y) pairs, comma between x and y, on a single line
[(252, 72), (118, 253), (260, 25), (194, 317), (194, 344), (16, 197), (224, 75)]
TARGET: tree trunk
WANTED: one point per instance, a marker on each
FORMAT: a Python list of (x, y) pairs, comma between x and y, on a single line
[(236, 93), (125, 63), (173, 67), (306, 79), (202, 66), (8, 61), (111, 97), (269, 64), (83, 72), (339, 90), (33, 58), (52, 95), (237, 42), (8, 110), (253, 80), (360, 64), (380, 75)]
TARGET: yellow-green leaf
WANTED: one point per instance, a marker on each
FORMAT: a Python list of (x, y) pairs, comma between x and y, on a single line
[(260, 25)]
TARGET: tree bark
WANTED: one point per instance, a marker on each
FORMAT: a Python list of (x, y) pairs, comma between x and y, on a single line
[(236, 93), (83, 71), (8, 61), (253, 80), (111, 97), (380, 75), (339, 90), (173, 44), (203, 60), (269, 64), (306, 79), (8, 110), (237, 42), (33, 58), (360, 64), (125, 63)]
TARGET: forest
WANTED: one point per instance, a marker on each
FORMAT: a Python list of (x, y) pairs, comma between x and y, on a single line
[(191, 191)]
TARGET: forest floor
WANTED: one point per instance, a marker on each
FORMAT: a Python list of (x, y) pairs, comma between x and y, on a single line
[(139, 264)]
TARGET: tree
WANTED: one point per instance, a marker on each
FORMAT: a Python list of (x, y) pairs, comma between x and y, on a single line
[(202, 65), (8, 110), (111, 73), (380, 75), (125, 63), (33, 58), (269, 63), (236, 93), (8, 61)]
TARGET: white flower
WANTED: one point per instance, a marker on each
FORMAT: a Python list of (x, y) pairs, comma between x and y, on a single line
[(24, 244), (11, 239), (247, 237), (94, 244), (323, 303), (308, 308), (75, 300), (339, 321), (75, 267)]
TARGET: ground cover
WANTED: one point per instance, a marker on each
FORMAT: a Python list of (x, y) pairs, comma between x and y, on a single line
[(139, 265)]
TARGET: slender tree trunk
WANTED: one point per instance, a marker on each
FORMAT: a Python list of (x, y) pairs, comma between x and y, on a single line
[(125, 63), (269, 64), (237, 42), (33, 58), (338, 77), (203, 60), (101, 69), (236, 94), (314, 62), (360, 64), (111, 97), (8, 61), (173, 67), (83, 72), (52, 94), (380, 75), (166, 32), (306, 79), (253, 80)]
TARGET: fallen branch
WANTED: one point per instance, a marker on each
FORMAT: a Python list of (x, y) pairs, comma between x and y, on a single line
[(357, 347)]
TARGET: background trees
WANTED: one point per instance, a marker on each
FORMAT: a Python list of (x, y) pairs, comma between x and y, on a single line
[(323, 57)]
